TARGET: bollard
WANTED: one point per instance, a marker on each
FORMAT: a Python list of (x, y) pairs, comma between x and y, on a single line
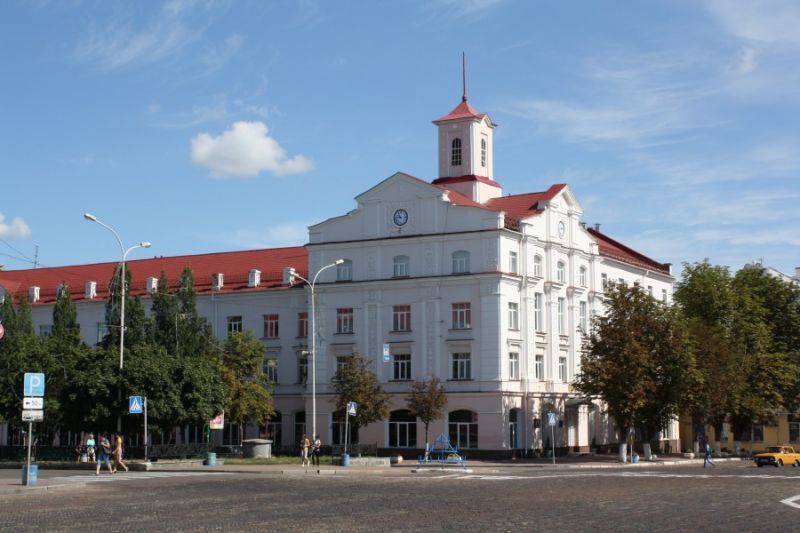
[(30, 482), (345, 459), (211, 460)]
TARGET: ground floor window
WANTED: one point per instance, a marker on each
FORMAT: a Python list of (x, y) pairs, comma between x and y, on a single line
[(272, 430), (300, 427), (230, 435), (338, 427), (402, 429), (757, 433), (463, 429), (513, 429), (794, 431)]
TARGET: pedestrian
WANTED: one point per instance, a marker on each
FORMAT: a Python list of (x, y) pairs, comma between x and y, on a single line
[(90, 448), (707, 457), (103, 453), (117, 454), (317, 449), (305, 448)]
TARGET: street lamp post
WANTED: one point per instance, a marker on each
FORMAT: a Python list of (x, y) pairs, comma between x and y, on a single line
[(293, 274), (125, 253)]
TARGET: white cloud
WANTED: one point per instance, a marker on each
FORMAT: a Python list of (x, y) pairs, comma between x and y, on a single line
[(769, 21), (245, 150), (17, 229)]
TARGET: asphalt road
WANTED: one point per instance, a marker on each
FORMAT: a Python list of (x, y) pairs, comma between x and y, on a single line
[(735, 496)]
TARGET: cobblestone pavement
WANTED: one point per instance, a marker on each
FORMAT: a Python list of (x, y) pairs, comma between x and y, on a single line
[(728, 497)]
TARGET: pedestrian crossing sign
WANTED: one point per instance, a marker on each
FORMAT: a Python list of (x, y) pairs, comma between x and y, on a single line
[(135, 405), (351, 408)]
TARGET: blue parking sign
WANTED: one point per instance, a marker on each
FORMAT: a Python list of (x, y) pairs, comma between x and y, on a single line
[(135, 405), (33, 384)]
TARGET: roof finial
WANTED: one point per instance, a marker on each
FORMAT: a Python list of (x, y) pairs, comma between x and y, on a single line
[(464, 75)]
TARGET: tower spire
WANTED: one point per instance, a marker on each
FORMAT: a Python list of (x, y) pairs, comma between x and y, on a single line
[(464, 75)]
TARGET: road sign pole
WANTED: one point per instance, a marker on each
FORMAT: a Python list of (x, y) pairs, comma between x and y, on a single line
[(145, 428), (553, 440), (30, 438), (346, 430)]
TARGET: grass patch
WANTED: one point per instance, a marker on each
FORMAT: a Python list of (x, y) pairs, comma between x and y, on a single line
[(277, 460)]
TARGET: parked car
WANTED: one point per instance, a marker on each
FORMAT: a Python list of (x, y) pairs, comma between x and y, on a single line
[(777, 456)]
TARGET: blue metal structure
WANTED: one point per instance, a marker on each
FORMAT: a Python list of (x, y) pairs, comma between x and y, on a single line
[(442, 452)]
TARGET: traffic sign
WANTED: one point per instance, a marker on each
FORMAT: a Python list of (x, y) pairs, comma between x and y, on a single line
[(33, 384), (551, 418), (135, 405), (2, 331), (33, 403), (386, 356), (32, 415), (351, 408), (218, 422)]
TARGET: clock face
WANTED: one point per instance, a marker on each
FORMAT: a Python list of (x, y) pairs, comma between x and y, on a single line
[(400, 217), (562, 229)]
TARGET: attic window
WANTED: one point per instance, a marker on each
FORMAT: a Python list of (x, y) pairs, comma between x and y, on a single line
[(483, 152), (455, 152)]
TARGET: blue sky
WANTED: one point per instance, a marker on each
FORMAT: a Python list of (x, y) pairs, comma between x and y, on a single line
[(214, 126)]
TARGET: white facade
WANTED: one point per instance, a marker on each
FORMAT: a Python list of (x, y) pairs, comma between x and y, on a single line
[(490, 294)]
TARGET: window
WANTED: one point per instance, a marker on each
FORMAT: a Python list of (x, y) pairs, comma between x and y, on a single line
[(302, 325), (271, 370), (402, 429), (102, 331), (483, 152), (463, 429), (300, 426), (302, 369), (234, 324), (562, 316), (462, 316), (400, 266), (344, 320), (271, 326), (794, 431), (650, 291), (272, 430), (538, 311), (562, 369), (513, 431), (664, 295), (584, 317), (513, 267), (460, 262), (462, 366), (561, 274), (341, 362), (401, 318), (513, 315), (455, 152), (757, 433), (401, 367), (513, 365), (604, 280), (539, 367), (45, 331), (537, 266), (582, 276), (338, 429), (344, 271)]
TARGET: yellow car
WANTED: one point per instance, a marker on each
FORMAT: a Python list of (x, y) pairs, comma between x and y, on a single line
[(777, 456)]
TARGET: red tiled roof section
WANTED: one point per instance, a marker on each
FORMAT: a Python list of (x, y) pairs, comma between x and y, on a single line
[(616, 250), (519, 206), (234, 265), (462, 110)]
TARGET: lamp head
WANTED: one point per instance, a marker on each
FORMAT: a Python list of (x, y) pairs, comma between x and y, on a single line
[(145, 244), (90, 217), (338, 261)]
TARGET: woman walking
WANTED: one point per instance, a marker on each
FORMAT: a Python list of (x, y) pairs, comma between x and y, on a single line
[(103, 453), (305, 446), (117, 454)]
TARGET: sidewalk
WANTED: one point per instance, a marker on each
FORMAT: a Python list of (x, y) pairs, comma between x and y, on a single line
[(12, 484)]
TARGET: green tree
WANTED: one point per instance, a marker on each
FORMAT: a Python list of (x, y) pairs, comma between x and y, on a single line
[(248, 396), (20, 352), (354, 381), (638, 359), (427, 401)]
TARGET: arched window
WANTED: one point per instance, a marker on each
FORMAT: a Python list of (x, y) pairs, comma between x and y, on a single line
[(463, 429), (483, 152), (344, 271), (400, 266), (460, 262), (455, 152), (272, 430), (537, 266), (561, 271), (338, 429), (582, 276), (402, 429)]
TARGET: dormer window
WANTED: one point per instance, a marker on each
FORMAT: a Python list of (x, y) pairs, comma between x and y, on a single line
[(455, 152), (460, 262), (483, 153), (400, 266), (344, 271)]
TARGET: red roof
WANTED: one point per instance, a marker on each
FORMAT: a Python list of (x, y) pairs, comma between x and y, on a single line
[(519, 206), (462, 110), (234, 265), (616, 250)]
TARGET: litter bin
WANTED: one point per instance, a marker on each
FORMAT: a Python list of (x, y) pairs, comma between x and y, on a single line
[(257, 448), (634, 458), (211, 460), (345, 459), (30, 481)]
